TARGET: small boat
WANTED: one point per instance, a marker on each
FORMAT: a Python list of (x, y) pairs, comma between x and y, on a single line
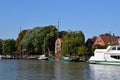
[(51, 59), (43, 57), (111, 56), (66, 59)]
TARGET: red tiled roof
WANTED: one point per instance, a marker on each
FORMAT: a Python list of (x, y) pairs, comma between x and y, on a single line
[(108, 39)]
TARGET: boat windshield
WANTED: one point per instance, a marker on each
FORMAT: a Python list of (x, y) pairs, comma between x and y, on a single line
[(116, 48)]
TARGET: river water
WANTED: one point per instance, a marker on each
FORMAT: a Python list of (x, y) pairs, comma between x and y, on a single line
[(50, 70)]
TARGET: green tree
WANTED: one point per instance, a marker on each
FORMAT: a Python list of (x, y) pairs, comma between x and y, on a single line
[(9, 46), (27, 41), (83, 51), (100, 47), (18, 41), (72, 41), (106, 34), (38, 38), (50, 37)]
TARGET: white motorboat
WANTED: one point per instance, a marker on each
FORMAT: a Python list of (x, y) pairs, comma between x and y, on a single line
[(111, 55), (43, 57)]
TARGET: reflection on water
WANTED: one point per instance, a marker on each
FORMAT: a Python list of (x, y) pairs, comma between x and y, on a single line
[(48, 70), (68, 71), (102, 72), (35, 70)]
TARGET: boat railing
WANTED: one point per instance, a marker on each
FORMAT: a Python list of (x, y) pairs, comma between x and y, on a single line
[(103, 50), (100, 50)]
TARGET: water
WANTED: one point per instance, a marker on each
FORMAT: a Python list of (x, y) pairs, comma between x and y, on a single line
[(49, 70)]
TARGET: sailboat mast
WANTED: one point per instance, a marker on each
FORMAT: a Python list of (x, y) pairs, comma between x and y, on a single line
[(58, 29), (44, 46)]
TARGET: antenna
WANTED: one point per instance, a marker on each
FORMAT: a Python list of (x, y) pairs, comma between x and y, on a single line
[(110, 37)]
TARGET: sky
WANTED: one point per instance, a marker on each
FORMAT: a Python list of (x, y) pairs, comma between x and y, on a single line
[(92, 17)]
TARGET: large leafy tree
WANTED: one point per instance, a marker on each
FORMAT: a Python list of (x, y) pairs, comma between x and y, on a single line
[(18, 41), (29, 39), (49, 37), (9, 46), (40, 39), (72, 41)]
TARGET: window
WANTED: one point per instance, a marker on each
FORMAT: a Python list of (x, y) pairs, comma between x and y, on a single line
[(114, 48), (118, 48), (116, 57)]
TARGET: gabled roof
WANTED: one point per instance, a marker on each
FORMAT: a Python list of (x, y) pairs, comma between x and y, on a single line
[(109, 39)]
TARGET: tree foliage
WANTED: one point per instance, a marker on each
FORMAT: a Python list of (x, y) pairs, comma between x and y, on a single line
[(1, 46), (20, 37), (83, 50), (38, 38), (9, 46), (100, 47), (106, 34), (72, 41)]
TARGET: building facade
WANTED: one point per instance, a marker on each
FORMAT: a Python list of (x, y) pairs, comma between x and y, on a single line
[(58, 45)]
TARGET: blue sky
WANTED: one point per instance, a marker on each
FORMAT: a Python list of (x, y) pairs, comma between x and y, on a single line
[(92, 17)]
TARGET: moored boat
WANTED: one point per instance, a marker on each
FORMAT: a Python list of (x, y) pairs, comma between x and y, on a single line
[(51, 59), (66, 59), (111, 55), (43, 57)]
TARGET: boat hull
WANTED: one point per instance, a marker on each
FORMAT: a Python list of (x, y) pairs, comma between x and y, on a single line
[(61, 60), (51, 59), (42, 57), (66, 60), (105, 62)]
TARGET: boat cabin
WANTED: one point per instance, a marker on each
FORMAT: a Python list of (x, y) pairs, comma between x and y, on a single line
[(111, 55)]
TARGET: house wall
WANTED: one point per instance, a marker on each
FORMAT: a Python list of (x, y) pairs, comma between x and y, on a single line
[(58, 44), (99, 41)]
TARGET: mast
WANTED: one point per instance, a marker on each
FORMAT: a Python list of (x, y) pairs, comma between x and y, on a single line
[(58, 29), (44, 46)]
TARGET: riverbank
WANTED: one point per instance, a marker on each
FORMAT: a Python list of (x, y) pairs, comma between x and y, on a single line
[(35, 57)]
